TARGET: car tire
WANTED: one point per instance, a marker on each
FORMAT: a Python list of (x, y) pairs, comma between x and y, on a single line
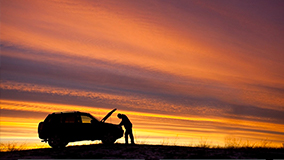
[(56, 142), (108, 139)]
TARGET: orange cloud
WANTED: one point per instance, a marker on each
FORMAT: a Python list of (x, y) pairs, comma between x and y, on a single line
[(184, 61), (109, 36)]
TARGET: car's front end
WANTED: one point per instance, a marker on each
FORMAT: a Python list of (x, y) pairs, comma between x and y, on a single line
[(110, 133)]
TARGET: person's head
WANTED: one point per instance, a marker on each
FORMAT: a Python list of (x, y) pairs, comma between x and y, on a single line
[(119, 115)]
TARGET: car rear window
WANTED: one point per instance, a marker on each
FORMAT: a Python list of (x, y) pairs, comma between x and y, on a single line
[(54, 118)]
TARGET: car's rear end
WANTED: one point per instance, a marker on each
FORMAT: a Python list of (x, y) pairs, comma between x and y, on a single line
[(43, 129), (41, 133), (46, 127), (49, 131)]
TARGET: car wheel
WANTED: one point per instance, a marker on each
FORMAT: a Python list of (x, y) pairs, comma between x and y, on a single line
[(56, 142), (108, 139)]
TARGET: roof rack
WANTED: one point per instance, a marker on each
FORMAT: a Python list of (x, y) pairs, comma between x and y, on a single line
[(66, 112)]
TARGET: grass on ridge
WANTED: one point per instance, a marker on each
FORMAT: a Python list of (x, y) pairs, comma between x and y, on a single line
[(230, 143), (12, 146)]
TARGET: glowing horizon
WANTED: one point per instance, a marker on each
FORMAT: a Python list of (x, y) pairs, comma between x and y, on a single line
[(186, 69), (169, 133)]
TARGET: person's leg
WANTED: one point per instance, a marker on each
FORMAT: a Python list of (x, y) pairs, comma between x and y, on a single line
[(126, 136), (131, 136)]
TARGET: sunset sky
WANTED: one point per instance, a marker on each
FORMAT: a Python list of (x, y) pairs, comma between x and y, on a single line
[(182, 71)]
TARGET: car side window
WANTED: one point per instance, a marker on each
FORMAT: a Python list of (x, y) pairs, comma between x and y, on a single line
[(86, 119), (70, 118)]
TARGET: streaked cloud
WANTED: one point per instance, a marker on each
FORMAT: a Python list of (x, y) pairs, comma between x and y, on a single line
[(220, 61)]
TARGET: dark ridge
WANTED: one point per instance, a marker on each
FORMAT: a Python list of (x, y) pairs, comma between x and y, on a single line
[(122, 151)]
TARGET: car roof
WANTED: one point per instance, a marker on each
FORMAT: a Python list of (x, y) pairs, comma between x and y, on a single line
[(69, 112)]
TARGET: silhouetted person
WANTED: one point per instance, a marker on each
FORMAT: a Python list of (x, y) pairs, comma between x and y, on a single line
[(128, 127)]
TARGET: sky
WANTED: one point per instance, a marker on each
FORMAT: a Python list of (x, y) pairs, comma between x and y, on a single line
[(184, 72)]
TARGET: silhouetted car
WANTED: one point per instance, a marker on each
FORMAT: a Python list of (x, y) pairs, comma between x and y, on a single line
[(58, 129)]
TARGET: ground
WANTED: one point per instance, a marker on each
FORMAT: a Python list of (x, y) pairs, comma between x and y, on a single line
[(121, 151)]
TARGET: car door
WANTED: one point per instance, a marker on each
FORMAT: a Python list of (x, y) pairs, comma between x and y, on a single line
[(88, 127), (71, 126)]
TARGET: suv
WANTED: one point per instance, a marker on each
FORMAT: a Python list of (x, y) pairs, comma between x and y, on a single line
[(58, 129)]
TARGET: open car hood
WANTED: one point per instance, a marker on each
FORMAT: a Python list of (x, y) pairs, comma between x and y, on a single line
[(108, 115)]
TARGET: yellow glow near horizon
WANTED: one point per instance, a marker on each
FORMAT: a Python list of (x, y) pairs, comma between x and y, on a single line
[(50, 107), (154, 129)]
